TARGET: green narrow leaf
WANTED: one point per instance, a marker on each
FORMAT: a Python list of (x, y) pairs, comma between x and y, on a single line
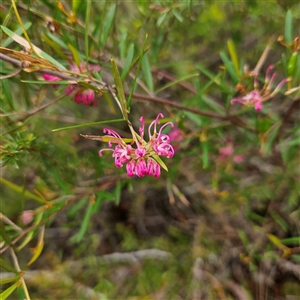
[(159, 160), (291, 241), (24, 90), (30, 235), (161, 19), (243, 238), (46, 82), (212, 104), (205, 154), (105, 139), (19, 31), (147, 72), (183, 78), (57, 40), (122, 42), (268, 138), (22, 25), (6, 21), (107, 24), (276, 241), (118, 190), (110, 104), (8, 93), (229, 67), (86, 32), (8, 280), (26, 240), (292, 63), (137, 72), (84, 225), (77, 206), (120, 90), (75, 55), (214, 79), (177, 15), (8, 291), (18, 39), (37, 252), (100, 197), (54, 46), (87, 124), (75, 6), (233, 56), (280, 220), (288, 29), (128, 62), (20, 190), (296, 258), (3, 234), (5, 265)]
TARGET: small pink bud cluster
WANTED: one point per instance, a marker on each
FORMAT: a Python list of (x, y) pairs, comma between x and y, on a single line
[(257, 97), (82, 95), (227, 153), (141, 161)]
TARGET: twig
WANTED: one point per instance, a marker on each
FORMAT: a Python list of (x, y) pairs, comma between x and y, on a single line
[(134, 257), (16, 263), (177, 105), (237, 290), (16, 72), (198, 279), (233, 119), (263, 58), (288, 266), (9, 222)]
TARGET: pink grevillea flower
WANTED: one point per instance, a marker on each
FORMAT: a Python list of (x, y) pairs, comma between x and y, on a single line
[(140, 161), (257, 97), (81, 95), (227, 153)]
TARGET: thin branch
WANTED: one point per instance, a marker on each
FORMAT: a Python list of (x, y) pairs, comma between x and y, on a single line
[(13, 74), (237, 290), (134, 258), (9, 222), (233, 119), (16, 263), (177, 105)]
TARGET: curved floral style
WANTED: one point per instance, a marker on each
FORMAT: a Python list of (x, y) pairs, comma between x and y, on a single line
[(140, 161), (257, 97)]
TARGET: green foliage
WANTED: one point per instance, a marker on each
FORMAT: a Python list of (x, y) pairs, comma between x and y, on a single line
[(229, 201)]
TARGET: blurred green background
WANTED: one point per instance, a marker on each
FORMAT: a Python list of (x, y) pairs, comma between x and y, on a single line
[(211, 227)]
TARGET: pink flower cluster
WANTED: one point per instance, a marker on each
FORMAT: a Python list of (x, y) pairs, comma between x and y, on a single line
[(82, 95), (226, 152), (141, 161), (257, 97)]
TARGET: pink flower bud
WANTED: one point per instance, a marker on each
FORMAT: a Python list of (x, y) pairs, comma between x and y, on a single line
[(27, 216), (238, 158)]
